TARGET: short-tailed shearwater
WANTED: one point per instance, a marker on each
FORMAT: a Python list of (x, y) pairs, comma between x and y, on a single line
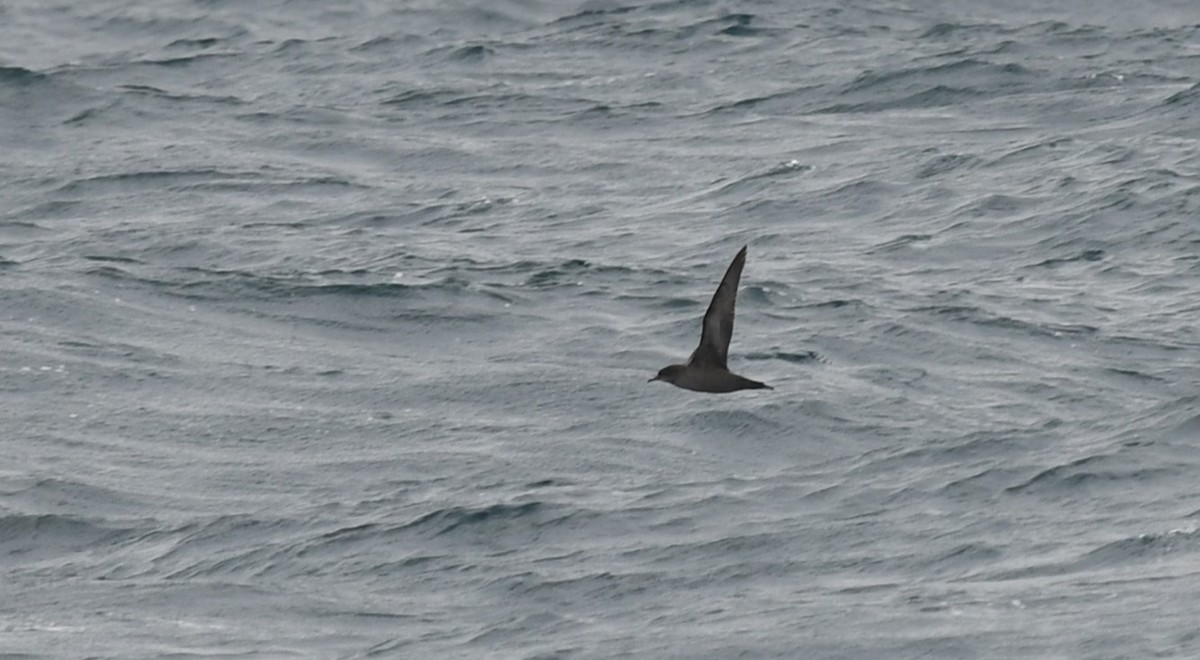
[(705, 370)]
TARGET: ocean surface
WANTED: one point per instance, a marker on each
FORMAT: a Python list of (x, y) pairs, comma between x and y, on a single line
[(325, 329)]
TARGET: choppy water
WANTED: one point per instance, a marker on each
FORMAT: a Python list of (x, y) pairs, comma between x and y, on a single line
[(325, 329)]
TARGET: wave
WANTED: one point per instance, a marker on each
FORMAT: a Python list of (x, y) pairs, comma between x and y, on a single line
[(1141, 548), (1083, 476), (33, 538), (980, 317), (16, 76), (1183, 99), (192, 180), (1168, 552), (252, 545)]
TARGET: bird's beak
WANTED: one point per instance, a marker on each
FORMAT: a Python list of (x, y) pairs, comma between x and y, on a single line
[(652, 379)]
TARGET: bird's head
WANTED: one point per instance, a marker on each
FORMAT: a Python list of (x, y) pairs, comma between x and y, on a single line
[(669, 374)]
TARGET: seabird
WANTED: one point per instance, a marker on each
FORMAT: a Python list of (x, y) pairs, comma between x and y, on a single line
[(705, 370)]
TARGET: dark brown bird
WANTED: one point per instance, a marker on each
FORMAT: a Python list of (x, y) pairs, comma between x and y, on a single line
[(705, 370)]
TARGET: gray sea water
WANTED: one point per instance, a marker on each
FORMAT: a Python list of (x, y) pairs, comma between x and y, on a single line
[(325, 329)]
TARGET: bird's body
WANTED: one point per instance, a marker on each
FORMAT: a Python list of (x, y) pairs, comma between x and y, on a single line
[(706, 369)]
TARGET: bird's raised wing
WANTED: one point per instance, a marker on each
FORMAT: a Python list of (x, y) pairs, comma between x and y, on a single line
[(718, 320)]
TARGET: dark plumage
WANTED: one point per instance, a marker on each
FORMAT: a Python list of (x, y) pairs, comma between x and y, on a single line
[(706, 369)]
